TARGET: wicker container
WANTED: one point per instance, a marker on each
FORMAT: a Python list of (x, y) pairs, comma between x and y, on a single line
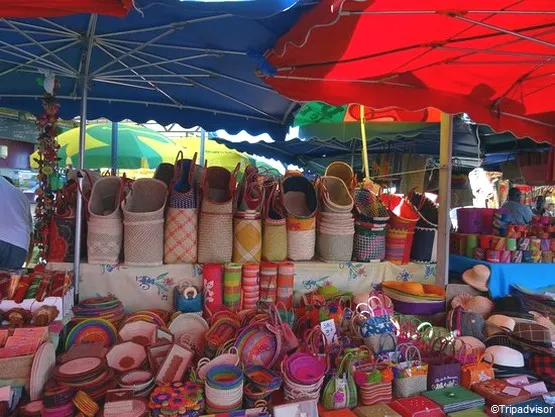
[(398, 245), (18, 368), (247, 239), (335, 196), (424, 245), (215, 232), (105, 225), (342, 171), (369, 244), (143, 214), (334, 247), (274, 240)]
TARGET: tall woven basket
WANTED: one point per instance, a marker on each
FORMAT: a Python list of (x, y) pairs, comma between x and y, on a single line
[(398, 245), (369, 243), (180, 232), (105, 221), (215, 233), (274, 231), (300, 203), (143, 223)]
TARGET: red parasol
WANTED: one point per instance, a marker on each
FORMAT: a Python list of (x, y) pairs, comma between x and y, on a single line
[(491, 59), (52, 8)]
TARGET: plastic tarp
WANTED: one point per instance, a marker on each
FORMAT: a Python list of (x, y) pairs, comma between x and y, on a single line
[(172, 62), (50, 8)]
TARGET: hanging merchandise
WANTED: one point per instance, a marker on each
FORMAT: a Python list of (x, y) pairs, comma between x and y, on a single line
[(105, 226), (215, 233), (180, 232), (424, 245), (247, 223), (300, 203), (143, 213), (335, 222), (274, 242)]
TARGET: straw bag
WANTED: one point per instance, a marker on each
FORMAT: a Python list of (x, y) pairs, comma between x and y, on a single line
[(410, 375), (341, 391), (427, 210), (374, 382), (342, 171), (180, 232), (480, 371), (143, 223), (105, 225), (424, 245), (215, 233), (274, 239), (334, 246), (369, 243), (369, 208), (398, 245), (300, 202), (403, 215), (247, 222), (334, 195)]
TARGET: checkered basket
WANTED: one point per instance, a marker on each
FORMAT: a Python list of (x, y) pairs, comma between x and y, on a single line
[(369, 243)]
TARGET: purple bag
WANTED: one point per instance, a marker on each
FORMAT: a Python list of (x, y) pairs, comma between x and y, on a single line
[(444, 370)]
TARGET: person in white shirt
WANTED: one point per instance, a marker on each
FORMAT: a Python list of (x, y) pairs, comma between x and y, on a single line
[(16, 225)]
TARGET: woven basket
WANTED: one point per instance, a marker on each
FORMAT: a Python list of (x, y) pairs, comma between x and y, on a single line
[(274, 240), (369, 208), (180, 232), (334, 247), (342, 171), (398, 244), (335, 196), (299, 197), (301, 238), (424, 245), (247, 239), (402, 214), (426, 209), (143, 213), (105, 225), (369, 244), (408, 387)]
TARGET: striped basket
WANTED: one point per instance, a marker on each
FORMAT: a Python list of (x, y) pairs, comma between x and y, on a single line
[(143, 214), (369, 243), (398, 244)]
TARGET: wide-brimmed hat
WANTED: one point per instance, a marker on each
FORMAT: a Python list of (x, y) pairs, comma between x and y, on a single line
[(477, 304), (477, 277), (505, 356), (499, 323), (533, 336)]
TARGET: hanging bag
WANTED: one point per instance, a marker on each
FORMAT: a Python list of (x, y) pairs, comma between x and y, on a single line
[(180, 233), (341, 391), (215, 233)]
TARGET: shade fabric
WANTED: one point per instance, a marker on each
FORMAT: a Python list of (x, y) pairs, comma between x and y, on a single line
[(50, 8), (172, 62), (489, 59)]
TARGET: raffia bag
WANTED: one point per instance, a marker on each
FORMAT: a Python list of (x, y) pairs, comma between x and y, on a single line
[(274, 239), (180, 232), (300, 203), (334, 195), (105, 221), (342, 171), (247, 222), (215, 233), (334, 246), (143, 223)]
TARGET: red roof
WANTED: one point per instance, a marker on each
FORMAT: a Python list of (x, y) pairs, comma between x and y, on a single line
[(52, 8), (494, 60)]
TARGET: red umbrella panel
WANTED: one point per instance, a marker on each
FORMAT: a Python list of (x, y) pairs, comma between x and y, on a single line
[(491, 59), (53, 8)]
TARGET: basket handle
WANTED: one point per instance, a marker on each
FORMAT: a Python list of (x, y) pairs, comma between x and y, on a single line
[(178, 167)]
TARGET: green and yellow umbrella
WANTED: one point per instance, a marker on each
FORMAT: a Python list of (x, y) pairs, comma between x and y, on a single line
[(138, 147)]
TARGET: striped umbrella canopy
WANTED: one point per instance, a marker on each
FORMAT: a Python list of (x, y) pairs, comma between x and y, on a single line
[(138, 147)]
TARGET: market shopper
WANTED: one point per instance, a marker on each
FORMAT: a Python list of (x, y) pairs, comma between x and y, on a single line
[(520, 213), (15, 225)]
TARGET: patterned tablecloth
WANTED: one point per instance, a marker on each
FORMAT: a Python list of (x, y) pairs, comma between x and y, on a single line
[(151, 287)]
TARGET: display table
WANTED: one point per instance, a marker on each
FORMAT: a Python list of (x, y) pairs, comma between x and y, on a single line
[(151, 287), (532, 276)]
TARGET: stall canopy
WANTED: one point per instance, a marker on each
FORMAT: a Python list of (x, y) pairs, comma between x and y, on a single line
[(51, 8), (172, 62), (492, 60)]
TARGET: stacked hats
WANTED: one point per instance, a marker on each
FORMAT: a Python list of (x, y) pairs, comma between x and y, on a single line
[(415, 298)]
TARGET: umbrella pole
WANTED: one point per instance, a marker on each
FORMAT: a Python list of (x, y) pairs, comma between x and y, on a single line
[(115, 148), (202, 146), (444, 226), (364, 145)]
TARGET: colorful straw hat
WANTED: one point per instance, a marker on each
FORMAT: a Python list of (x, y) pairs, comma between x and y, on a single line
[(477, 277)]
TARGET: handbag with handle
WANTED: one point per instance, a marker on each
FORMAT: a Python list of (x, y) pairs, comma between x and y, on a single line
[(410, 374), (480, 371), (443, 370), (341, 391)]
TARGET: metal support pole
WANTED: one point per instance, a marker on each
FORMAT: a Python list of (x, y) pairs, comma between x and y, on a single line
[(202, 146), (79, 208), (115, 148), (444, 227)]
